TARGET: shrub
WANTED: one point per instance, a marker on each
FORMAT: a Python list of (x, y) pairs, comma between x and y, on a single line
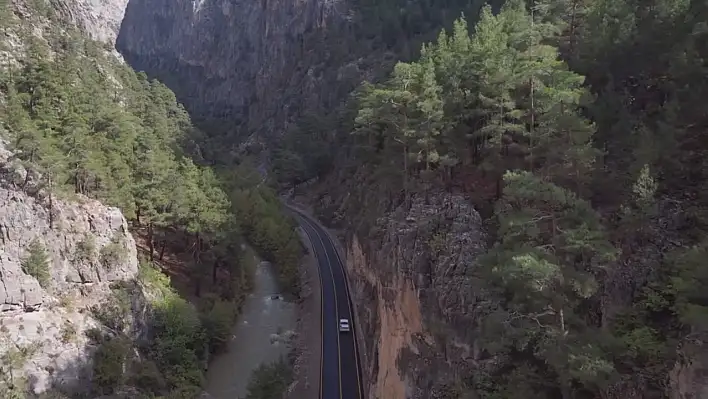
[(85, 249), (272, 234), (109, 362), (218, 322), (269, 381), (178, 346), (147, 377), (114, 312), (68, 332), (113, 253), (36, 264)]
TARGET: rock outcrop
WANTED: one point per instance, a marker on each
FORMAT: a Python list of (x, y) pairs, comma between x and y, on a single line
[(98, 19), (224, 57), (85, 246), (410, 269)]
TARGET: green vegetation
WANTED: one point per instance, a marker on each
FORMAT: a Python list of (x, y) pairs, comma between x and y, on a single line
[(109, 362), (172, 360), (12, 384), (68, 332), (93, 127), (114, 312), (401, 25), (113, 253), (270, 381), (36, 264), (111, 134), (85, 250), (268, 230), (576, 128)]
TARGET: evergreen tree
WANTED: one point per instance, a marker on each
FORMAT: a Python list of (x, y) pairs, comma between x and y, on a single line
[(550, 249)]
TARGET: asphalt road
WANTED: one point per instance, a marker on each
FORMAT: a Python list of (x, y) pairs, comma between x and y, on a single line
[(339, 367)]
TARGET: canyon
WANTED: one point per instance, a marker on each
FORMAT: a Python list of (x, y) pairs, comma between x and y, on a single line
[(260, 65), (250, 73), (262, 70)]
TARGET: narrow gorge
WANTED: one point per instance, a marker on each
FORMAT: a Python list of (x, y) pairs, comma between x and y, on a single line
[(283, 80), (261, 67), (518, 188), (126, 260)]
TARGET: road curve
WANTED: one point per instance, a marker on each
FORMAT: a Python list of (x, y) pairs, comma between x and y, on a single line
[(339, 367)]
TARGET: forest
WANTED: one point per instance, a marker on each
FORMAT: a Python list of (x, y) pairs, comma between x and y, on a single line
[(86, 125), (576, 127)]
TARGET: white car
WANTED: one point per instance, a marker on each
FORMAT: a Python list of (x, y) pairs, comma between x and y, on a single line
[(344, 325)]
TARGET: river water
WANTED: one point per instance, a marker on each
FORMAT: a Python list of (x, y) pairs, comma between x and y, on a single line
[(259, 336)]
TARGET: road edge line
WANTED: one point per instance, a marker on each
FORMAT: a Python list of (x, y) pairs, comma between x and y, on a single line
[(352, 305), (336, 302), (351, 310), (319, 277)]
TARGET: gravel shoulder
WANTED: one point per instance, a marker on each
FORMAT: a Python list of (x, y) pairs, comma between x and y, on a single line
[(308, 341)]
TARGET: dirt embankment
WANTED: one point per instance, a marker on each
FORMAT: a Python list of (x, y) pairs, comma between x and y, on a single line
[(308, 341)]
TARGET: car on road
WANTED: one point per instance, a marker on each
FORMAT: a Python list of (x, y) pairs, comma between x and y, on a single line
[(344, 325)]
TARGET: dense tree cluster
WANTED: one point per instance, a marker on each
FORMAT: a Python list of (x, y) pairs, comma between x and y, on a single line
[(585, 117), (85, 124)]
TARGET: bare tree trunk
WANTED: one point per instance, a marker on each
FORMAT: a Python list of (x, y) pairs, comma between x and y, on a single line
[(162, 249), (51, 203), (198, 286), (151, 242), (571, 33), (27, 177), (405, 175), (531, 128), (533, 110)]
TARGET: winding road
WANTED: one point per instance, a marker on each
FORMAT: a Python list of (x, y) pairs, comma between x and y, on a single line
[(339, 363)]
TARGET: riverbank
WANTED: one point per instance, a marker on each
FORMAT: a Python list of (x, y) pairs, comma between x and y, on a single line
[(308, 341), (260, 336)]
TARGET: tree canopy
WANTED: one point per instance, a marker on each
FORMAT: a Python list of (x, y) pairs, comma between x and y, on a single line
[(585, 116)]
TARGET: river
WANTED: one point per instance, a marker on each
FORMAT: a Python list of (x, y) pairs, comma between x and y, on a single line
[(259, 336)]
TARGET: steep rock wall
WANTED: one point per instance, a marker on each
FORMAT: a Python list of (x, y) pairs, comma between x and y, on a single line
[(410, 273), (98, 19), (87, 248), (247, 60)]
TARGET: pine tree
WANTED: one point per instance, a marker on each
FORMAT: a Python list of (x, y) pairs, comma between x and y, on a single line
[(551, 246), (386, 115)]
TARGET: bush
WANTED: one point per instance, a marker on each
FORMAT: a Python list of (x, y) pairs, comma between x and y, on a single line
[(179, 343), (272, 234), (85, 250), (269, 381), (68, 332), (173, 357), (36, 264), (218, 322), (114, 312), (147, 377), (109, 363), (112, 254)]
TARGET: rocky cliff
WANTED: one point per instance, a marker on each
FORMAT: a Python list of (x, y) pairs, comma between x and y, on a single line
[(410, 268), (98, 19), (415, 297), (260, 65), (264, 64), (60, 255), (229, 58), (58, 258)]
